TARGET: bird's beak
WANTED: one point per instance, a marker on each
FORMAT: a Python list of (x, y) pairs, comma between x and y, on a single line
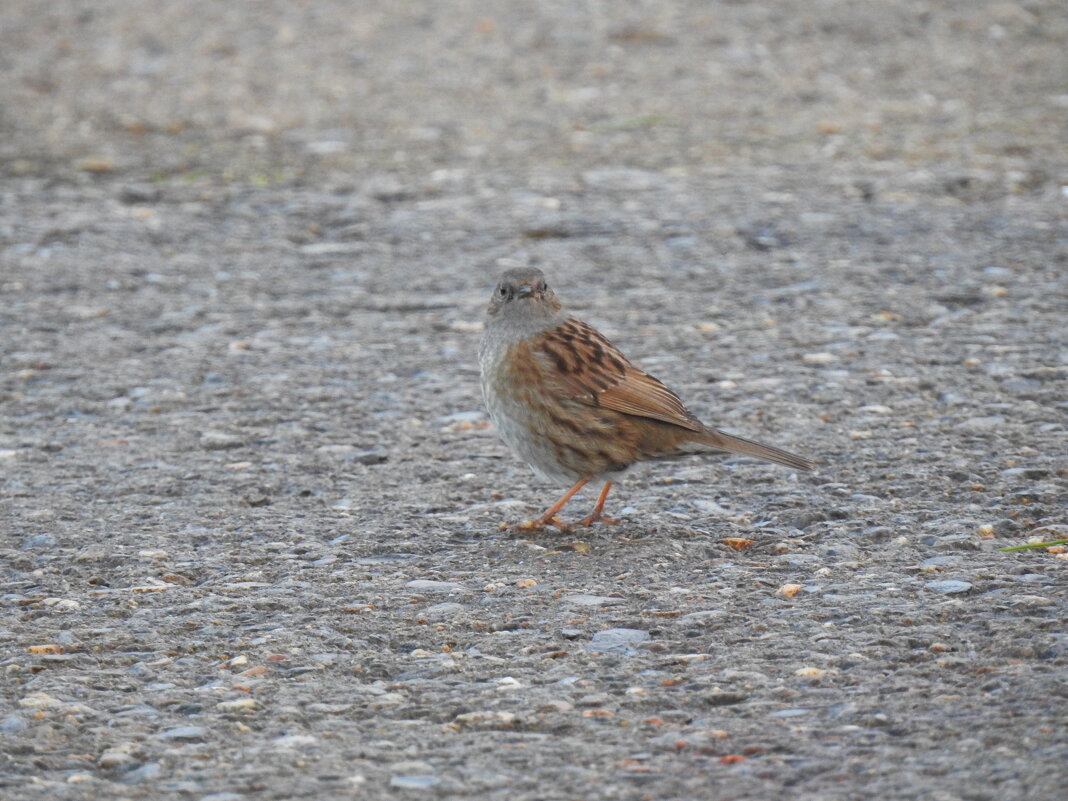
[(524, 290)]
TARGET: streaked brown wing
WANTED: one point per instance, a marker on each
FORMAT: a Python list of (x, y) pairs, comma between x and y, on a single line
[(588, 367)]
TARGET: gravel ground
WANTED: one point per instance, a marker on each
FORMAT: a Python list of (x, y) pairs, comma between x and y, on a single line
[(250, 506)]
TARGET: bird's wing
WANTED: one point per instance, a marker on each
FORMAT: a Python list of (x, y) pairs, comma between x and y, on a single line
[(587, 367)]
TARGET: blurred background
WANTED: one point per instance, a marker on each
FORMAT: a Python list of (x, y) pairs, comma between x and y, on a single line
[(281, 91)]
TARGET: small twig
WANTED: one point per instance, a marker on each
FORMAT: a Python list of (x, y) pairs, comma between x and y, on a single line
[(1029, 545)]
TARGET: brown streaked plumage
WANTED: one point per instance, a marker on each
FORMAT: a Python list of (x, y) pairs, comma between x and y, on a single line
[(573, 407)]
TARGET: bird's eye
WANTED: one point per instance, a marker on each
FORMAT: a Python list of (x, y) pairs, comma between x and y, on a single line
[(542, 287), (501, 291)]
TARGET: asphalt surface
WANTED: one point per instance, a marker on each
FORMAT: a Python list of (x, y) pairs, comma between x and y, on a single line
[(251, 509)]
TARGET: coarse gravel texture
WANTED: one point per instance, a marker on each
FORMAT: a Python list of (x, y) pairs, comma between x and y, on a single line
[(251, 507)]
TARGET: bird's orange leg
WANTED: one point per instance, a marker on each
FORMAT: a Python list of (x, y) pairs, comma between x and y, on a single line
[(549, 518), (595, 515)]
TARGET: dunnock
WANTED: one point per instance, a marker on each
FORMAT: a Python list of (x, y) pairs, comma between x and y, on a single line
[(571, 405)]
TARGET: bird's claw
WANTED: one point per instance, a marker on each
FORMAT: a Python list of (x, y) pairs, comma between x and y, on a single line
[(541, 523)]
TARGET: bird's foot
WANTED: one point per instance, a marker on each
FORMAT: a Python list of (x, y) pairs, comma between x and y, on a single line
[(541, 523)]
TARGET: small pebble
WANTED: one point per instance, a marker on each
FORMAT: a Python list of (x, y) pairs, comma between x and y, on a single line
[(39, 701), (428, 587), (590, 600), (723, 698), (982, 424), (556, 705), (114, 758), (186, 733), (949, 586), (875, 408), (414, 782), (617, 640), (487, 719), (147, 772), (218, 441), (443, 611), (792, 712), (369, 457), (12, 724), (240, 705), (294, 741), (594, 700), (38, 541)]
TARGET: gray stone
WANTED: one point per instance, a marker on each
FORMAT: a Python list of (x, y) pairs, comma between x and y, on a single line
[(429, 587), (949, 586), (791, 712), (617, 640), (594, 700), (43, 540), (13, 724), (368, 457), (981, 425), (723, 698), (149, 771), (414, 782), (443, 611), (1016, 474), (219, 441), (591, 600), (189, 733)]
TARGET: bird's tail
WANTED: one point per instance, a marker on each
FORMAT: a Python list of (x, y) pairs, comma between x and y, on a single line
[(728, 442)]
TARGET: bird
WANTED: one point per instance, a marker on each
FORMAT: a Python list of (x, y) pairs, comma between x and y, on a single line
[(567, 402)]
